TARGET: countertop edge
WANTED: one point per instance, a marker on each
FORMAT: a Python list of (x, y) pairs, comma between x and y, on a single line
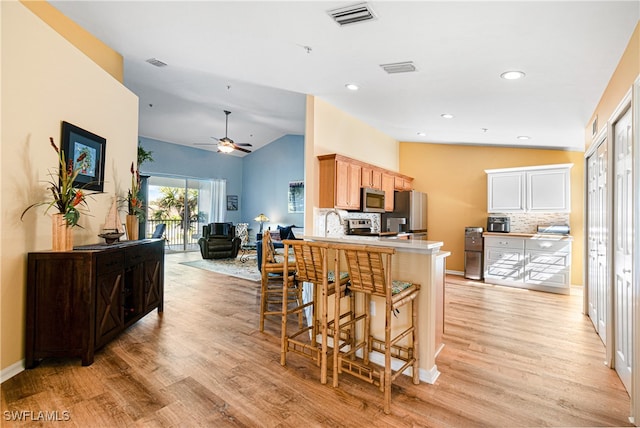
[(409, 245), (553, 236)]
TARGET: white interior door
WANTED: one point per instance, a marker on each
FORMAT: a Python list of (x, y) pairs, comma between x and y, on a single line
[(597, 239), (622, 244)]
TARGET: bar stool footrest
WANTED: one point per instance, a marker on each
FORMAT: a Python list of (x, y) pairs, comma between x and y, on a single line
[(403, 353), (371, 373)]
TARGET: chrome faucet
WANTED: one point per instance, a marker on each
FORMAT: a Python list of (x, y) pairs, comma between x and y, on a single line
[(326, 215)]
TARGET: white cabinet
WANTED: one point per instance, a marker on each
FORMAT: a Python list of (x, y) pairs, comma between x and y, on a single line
[(504, 259), (506, 191), (544, 188), (533, 262)]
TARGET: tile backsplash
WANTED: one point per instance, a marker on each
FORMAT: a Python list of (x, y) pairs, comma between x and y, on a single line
[(528, 222), (337, 226)]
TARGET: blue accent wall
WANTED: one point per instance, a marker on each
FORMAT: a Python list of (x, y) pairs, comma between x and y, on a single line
[(266, 176), (260, 179), (188, 162)]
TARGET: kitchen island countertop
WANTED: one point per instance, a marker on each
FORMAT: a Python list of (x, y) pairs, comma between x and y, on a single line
[(405, 245), (421, 262)]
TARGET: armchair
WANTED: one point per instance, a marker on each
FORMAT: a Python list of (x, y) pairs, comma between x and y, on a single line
[(219, 241)]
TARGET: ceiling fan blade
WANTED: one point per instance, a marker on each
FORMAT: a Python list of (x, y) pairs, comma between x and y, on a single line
[(235, 146), (243, 144)]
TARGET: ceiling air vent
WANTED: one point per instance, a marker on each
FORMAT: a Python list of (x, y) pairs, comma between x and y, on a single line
[(399, 67), (156, 62), (352, 14)]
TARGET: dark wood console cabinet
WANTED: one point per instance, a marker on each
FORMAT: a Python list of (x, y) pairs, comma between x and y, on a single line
[(79, 300)]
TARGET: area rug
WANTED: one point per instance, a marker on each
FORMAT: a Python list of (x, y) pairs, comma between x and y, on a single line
[(243, 266)]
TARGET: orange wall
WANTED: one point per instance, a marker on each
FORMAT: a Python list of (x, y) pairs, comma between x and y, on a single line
[(627, 71), (453, 177), (110, 60)]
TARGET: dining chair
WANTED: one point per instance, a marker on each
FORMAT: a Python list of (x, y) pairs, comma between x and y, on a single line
[(311, 261), (370, 275)]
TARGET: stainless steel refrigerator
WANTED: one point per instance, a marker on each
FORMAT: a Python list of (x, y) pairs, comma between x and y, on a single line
[(409, 213)]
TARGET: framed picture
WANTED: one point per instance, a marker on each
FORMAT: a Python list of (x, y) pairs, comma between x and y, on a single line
[(296, 197), (232, 202), (76, 141)]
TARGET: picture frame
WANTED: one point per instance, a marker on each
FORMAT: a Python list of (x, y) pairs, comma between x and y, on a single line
[(232, 202), (296, 197), (76, 141)]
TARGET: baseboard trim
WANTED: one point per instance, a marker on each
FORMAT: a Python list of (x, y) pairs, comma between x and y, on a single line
[(428, 376), (454, 272), (9, 372)]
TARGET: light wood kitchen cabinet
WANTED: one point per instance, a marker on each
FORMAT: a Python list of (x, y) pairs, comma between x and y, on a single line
[(371, 177), (388, 181), (340, 180), (533, 189), (402, 183), (529, 261)]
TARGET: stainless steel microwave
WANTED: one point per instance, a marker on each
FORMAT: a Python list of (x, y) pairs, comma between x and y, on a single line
[(372, 200)]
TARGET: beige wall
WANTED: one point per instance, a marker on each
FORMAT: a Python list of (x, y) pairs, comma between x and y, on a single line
[(110, 60), (626, 72), (330, 130), (453, 177), (46, 80)]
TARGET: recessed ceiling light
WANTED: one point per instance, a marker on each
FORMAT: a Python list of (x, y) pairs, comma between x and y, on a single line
[(446, 116), (351, 86), (512, 75), (422, 134), (523, 137)]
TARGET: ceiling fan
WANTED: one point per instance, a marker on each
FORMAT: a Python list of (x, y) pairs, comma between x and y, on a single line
[(226, 144)]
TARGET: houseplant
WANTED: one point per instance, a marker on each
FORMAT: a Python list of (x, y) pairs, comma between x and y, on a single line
[(65, 198), (135, 211)]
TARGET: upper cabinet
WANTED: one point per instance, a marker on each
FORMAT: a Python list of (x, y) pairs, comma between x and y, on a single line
[(372, 177), (341, 179), (545, 188), (402, 183), (347, 190)]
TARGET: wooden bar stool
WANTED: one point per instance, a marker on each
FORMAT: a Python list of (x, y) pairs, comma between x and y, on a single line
[(311, 266), (370, 274), (271, 289)]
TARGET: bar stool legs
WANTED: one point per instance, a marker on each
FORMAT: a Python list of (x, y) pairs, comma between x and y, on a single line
[(370, 275)]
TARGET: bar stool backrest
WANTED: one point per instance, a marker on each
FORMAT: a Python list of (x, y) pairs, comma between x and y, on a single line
[(366, 266), (310, 259), (268, 250)]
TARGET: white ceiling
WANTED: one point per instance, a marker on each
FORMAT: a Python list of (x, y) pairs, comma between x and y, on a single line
[(249, 57)]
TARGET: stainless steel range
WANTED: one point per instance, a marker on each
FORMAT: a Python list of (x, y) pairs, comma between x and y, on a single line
[(364, 227), (360, 226)]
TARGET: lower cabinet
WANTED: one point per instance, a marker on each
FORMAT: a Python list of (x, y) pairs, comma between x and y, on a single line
[(532, 262), (77, 301)]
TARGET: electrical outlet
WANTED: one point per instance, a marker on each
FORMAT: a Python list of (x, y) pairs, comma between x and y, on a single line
[(372, 308)]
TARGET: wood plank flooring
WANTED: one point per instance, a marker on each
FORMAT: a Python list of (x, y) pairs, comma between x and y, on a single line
[(512, 358)]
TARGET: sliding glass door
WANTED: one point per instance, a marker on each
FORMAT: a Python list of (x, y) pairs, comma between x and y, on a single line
[(184, 205)]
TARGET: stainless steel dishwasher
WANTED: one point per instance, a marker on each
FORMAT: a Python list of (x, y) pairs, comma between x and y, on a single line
[(473, 252)]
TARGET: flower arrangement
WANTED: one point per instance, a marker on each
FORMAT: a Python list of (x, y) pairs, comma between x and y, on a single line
[(65, 197), (134, 203)]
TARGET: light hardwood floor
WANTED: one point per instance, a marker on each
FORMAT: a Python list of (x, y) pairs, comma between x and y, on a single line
[(513, 358)]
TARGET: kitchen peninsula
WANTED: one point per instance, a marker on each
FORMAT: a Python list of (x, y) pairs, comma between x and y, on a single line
[(422, 262)]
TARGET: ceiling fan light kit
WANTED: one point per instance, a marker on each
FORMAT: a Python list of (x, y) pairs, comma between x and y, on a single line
[(226, 144)]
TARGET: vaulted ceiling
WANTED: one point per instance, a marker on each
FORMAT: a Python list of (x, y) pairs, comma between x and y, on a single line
[(258, 59)]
